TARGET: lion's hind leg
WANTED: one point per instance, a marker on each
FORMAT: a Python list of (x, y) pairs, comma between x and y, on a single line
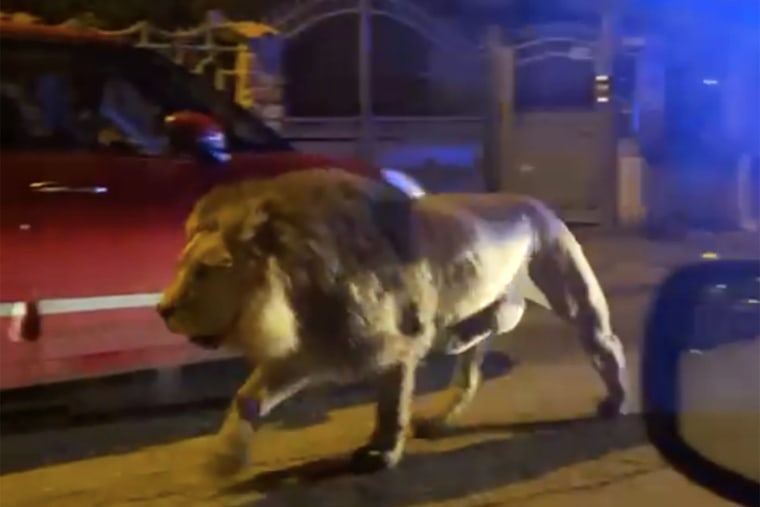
[(466, 382), (563, 274), (500, 317)]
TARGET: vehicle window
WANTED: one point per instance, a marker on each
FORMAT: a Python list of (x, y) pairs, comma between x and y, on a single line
[(133, 115), (51, 101), (110, 97), (10, 119), (178, 89)]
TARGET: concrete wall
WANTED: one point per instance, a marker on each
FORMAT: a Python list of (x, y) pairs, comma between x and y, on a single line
[(722, 199)]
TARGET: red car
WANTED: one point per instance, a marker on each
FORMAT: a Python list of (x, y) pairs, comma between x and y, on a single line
[(92, 203)]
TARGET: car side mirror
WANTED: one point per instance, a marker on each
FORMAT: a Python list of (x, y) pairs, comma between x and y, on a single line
[(701, 376), (197, 135)]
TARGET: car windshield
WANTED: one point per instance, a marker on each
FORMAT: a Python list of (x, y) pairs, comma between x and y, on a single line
[(68, 96)]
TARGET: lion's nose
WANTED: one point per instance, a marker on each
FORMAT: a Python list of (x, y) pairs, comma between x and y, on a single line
[(165, 310)]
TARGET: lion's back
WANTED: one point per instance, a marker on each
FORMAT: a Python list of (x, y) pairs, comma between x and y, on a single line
[(498, 208)]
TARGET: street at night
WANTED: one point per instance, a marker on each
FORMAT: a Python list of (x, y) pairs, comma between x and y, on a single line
[(211, 209), (529, 439)]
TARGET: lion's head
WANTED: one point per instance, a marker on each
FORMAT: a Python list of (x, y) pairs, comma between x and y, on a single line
[(260, 258), (226, 271)]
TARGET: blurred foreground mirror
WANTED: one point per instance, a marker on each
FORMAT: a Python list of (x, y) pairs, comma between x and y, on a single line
[(701, 376), (197, 135)]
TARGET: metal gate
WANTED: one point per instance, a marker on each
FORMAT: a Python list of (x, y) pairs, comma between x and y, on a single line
[(556, 155), (556, 159), (561, 155), (300, 15)]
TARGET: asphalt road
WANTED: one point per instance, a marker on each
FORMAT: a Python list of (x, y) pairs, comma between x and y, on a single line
[(529, 440)]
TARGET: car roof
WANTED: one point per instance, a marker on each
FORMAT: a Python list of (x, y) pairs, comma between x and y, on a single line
[(53, 33)]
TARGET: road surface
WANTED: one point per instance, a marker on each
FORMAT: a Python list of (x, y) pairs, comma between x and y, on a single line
[(529, 440)]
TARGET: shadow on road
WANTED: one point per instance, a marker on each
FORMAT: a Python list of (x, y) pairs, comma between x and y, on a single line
[(75, 438), (307, 409), (530, 451)]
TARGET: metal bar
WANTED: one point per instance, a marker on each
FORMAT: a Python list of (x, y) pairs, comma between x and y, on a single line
[(498, 139), (382, 119), (552, 40), (608, 160), (365, 80)]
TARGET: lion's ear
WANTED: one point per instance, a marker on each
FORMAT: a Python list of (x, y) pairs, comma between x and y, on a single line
[(260, 227)]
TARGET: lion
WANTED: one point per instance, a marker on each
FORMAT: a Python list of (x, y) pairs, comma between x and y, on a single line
[(323, 276)]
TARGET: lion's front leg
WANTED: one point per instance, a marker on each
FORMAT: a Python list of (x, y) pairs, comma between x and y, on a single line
[(386, 446), (267, 387)]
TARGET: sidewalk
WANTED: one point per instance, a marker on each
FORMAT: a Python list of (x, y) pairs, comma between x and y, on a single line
[(630, 259)]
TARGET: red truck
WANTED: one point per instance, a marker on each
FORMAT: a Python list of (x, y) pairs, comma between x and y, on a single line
[(92, 200)]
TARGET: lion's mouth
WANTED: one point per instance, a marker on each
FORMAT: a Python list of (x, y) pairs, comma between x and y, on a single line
[(210, 342)]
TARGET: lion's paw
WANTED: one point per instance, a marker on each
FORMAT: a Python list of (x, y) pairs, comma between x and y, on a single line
[(610, 408), (431, 429), (220, 464), (225, 462), (368, 459)]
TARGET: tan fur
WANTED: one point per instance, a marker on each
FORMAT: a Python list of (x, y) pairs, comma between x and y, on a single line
[(325, 276)]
